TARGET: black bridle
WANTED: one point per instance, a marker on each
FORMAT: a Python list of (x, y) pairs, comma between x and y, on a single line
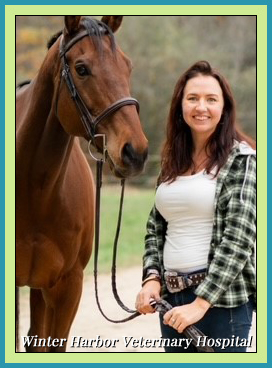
[(89, 121)]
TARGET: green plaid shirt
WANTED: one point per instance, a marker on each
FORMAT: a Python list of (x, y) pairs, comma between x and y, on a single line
[(230, 278)]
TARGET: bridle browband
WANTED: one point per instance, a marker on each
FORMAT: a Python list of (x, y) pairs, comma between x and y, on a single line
[(89, 121)]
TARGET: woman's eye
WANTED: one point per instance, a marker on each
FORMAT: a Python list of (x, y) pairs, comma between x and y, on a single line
[(81, 70)]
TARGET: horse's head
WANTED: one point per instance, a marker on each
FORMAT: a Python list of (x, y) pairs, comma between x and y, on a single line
[(97, 74)]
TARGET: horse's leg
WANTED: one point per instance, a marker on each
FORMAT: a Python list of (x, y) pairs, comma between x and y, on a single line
[(64, 297), (40, 320)]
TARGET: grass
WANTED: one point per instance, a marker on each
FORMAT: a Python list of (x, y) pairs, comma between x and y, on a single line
[(137, 205)]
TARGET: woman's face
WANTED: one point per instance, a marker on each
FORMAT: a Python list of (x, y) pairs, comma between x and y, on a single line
[(202, 104)]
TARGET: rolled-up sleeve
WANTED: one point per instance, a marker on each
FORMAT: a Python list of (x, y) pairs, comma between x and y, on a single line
[(154, 241)]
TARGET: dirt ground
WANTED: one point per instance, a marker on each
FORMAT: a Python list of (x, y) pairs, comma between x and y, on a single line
[(89, 323)]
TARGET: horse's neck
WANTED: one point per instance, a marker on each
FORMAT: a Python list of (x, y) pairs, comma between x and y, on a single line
[(43, 147)]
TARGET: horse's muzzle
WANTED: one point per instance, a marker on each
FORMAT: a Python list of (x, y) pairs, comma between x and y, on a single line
[(133, 162)]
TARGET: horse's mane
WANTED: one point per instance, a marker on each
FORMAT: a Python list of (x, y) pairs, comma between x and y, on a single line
[(53, 39), (96, 30)]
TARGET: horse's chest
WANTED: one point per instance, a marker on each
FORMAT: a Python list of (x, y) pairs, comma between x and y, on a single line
[(42, 258), (38, 262), (54, 225)]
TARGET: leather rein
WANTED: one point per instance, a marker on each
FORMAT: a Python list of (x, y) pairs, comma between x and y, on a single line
[(90, 124)]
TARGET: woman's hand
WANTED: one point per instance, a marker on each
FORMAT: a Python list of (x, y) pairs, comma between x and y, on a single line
[(181, 317), (150, 290)]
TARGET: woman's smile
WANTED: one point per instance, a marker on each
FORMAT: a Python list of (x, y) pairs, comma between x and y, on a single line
[(201, 117)]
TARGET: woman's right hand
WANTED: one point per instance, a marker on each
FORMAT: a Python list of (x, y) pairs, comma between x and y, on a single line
[(151, 290)]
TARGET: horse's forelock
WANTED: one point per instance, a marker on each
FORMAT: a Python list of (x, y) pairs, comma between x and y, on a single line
[(96, 30)]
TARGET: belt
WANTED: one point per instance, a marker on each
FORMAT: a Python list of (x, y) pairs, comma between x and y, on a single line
[(176, 282)]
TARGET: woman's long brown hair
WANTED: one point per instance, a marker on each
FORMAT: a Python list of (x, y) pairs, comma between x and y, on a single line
[(178, 147)]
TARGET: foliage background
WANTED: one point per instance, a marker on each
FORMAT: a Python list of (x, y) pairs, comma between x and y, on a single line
[(161, 48)]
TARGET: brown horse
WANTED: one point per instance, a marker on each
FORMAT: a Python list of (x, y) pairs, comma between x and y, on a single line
[(54, 184)]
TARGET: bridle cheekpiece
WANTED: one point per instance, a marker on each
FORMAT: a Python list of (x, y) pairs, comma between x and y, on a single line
[(89, 121)]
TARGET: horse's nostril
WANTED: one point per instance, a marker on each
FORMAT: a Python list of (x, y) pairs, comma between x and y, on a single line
[(128, 152), (131, 157)]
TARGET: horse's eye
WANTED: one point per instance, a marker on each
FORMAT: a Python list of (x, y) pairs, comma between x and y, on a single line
[(81, 70)]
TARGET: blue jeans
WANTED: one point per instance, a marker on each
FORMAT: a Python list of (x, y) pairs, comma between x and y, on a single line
[(218, 323)]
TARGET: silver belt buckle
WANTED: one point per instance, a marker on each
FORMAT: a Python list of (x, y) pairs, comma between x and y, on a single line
[(176, 283)]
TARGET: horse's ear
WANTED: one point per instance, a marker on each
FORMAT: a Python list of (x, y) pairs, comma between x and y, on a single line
[(71, 24), (112, 21)]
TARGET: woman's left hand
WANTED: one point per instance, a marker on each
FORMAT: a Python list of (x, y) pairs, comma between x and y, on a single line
[(181, 317)]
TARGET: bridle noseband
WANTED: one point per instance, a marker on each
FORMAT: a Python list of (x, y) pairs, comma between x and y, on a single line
[(89, 121)]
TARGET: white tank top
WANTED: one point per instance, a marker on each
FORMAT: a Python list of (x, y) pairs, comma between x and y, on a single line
[(187, 206)]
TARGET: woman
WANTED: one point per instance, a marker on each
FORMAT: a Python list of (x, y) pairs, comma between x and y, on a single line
[(199, 247)]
